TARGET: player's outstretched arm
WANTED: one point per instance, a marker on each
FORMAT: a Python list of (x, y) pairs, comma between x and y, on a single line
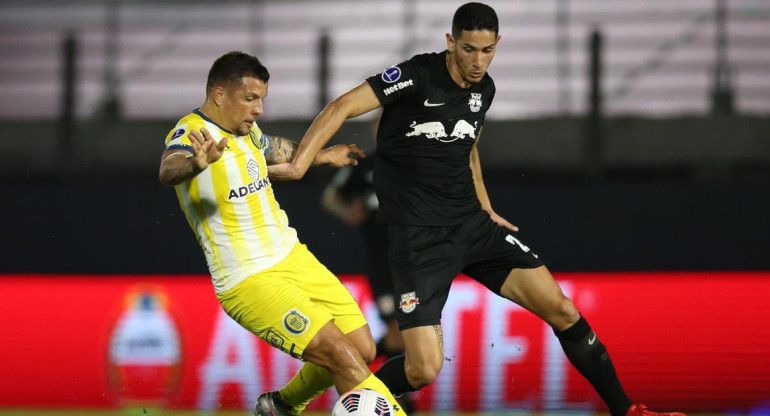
[(283, 150), (177, 166), (355, 102), (481, 189)]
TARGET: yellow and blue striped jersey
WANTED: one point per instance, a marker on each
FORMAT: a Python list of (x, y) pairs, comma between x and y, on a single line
[(231, 206)]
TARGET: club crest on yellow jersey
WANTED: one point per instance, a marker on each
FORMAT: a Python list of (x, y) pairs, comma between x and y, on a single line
[(255, 140)]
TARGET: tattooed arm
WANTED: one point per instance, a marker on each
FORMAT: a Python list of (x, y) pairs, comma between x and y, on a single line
[(282, 150), (279, 149)]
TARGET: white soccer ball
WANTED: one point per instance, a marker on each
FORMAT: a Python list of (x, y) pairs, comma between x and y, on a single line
[(362, 402)]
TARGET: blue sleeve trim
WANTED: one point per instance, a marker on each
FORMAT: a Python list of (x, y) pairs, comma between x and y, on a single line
[(180, 147)]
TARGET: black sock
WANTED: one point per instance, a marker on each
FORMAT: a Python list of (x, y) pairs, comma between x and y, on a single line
[(380, 347), (393, 375), (591, 359), (383, 350)]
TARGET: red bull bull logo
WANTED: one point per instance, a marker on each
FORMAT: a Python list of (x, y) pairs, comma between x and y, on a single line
[(409, 301), (431, 130), (435, 130)]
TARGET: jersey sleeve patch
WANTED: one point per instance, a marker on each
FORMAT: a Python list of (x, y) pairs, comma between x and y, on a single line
[(394, 82), (391, 75), (179, 136)]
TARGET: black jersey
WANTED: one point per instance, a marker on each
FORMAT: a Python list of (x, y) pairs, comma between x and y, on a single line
[(428, 127)]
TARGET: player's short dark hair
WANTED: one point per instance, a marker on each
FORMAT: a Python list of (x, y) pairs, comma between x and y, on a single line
[(474, 16), (230, 69)]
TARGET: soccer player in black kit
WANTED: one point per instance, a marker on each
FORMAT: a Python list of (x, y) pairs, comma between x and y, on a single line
[(440, 220)]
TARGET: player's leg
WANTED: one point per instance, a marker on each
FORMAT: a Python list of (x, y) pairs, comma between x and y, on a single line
[(312, 380), (334, 351), (505, 265), (508, 267), (537, 291), (339, 352), (419, 365), (423, 262)]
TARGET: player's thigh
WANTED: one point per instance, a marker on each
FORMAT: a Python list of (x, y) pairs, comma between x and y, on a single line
[(491, 251), (323, 288), (423, 263), (537, 291), (424, 349)]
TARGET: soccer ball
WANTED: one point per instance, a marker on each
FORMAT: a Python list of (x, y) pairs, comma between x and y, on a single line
[(362, 402)]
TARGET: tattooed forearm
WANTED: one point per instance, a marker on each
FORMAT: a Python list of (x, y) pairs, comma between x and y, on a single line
[(282, 150)]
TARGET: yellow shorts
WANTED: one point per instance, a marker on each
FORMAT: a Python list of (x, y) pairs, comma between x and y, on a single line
[(288, 303)]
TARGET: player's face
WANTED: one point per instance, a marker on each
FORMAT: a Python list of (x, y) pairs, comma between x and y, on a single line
[(472, 52), (243, 104)]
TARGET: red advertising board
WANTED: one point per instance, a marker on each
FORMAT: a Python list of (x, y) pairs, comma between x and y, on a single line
[(682, 341)]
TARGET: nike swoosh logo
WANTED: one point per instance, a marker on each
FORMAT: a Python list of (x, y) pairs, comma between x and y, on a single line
[(427, 104), (592, 340)]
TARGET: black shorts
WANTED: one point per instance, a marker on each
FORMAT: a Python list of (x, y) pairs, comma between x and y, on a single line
[(425, 260)]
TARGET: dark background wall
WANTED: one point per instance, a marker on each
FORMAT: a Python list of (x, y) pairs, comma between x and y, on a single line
[(658, 207)]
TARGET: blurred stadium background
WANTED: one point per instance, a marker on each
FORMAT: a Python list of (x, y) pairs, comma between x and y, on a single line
[(629, 140)]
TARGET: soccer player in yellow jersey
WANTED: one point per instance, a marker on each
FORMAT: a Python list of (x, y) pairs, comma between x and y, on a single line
[(216, 158)]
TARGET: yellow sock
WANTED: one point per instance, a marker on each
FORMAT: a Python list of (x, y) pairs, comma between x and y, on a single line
[(310, 382), (374, 383)]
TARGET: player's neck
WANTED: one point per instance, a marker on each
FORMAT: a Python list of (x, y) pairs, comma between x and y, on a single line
[(454, 73), (209, 110)]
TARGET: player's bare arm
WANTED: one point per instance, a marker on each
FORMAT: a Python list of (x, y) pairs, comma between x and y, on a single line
[(481, 189), (283, 150), (355, 102), (177, 166)]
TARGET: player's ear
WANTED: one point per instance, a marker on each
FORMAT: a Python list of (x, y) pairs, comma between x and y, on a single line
[(218, 95), (450, 42)]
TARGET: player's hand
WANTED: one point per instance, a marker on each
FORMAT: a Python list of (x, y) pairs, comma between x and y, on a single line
[(357, 213), (339, 155), (205, 149), (502, 222)]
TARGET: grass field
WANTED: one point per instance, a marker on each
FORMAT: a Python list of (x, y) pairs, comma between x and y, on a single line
[(139, 411), (165, 412), (122, 412)]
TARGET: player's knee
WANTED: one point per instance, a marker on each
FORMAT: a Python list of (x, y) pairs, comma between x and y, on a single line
[(567, 313), (363, 342), (340, 354), (368, 351), (330, 349), (423, 373)]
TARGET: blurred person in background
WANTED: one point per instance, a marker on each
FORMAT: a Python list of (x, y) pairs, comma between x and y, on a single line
[(440, 219), (350, 197), (216, 158)]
